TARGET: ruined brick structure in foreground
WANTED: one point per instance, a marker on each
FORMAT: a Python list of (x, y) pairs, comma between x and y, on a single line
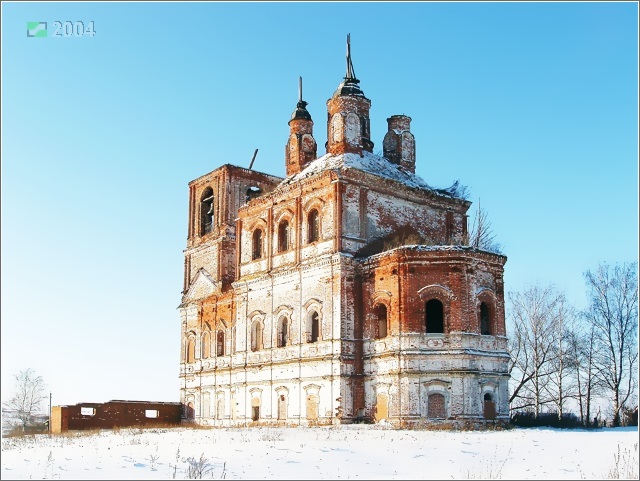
[(341, 293)]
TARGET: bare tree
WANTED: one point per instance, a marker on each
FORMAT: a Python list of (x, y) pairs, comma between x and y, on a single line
[(534, 317), (562, 381), (613, 313), (581, 359), (481, 235), (26, 400)]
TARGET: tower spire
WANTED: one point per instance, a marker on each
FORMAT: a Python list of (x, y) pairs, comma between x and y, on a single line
[(299, 89), (350, 72)]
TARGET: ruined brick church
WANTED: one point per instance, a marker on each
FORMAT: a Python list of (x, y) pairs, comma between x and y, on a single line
[(345, 292)]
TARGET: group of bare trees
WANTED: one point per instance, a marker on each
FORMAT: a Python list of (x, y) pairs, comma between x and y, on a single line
[(19, 413), (563, 359)]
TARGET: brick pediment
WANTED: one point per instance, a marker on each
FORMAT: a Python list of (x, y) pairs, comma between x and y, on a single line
[(202, 286)]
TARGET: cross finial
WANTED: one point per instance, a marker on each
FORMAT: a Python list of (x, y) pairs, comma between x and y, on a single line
[(350, 72), (299, 89)]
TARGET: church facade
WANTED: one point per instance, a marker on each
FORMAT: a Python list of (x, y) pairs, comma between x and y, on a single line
[(345, 292)]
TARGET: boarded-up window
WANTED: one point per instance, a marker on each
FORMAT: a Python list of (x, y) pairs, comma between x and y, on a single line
[(382, 407), (352, 129), (489, 407), (337, 126), (220, 406), (206, 405), (206, 346), (191, 349), (312, 407), (436, 406)]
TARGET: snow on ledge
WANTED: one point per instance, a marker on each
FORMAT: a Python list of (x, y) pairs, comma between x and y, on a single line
[(372, 164)]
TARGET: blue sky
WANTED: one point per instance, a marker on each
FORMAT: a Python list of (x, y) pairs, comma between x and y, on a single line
[(533, 106)]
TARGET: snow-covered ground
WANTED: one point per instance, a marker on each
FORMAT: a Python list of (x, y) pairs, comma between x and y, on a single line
[(344, 452)]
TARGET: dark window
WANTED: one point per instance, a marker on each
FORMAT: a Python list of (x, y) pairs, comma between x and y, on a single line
[(283, 334), (449, 225), (257, 244), (220, 343), (315, 327), (283, 236), (190, 412), (434, 316), (314, 226), (380, 313), (485, 325), (255, 413), (436, 406), (206, 211)]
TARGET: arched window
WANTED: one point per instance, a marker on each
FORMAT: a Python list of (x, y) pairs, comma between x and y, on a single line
[(220, 406), (352, 129), (434, 317), (206, 407), (220, 343), (485, 324), (257, 244), (436, 408), (380, 313), (282, 407), (283, 236), (190, 413), (206, 211), (489, 407), (313, 225), (256, 336), (206, 346), (314, 322), (283, 331), (337, 126), (191, 349)]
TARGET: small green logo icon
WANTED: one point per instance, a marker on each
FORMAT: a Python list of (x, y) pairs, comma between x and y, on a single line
[(36, 29)]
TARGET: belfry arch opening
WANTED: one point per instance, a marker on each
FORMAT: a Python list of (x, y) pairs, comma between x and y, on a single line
[(206, 211)]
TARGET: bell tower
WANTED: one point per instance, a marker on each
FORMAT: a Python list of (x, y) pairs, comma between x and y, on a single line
[(348, 127), (301, 147)]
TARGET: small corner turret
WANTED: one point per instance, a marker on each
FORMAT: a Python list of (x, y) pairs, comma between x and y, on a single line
[(301, 147), (399, 145)]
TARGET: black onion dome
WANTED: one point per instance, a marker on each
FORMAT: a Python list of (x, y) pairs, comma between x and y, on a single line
[(301, 112), (349, 86)]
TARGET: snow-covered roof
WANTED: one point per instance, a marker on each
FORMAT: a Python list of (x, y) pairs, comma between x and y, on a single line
[(372, 164)]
